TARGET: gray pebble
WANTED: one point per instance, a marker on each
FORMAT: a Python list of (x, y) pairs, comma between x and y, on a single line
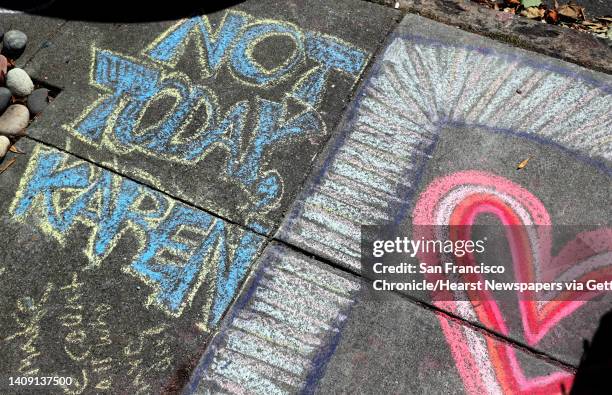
[(38, 100), (5, 144), (5, 98), (14, 120), (19, 82), (14, 42)]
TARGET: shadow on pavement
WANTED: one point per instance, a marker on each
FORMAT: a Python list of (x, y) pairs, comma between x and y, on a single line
[(594, 374), (114, 10)]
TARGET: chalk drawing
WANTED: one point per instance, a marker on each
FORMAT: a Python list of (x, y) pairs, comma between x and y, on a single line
[(57, 192), (418, 87), (140, 369), (458, 199), (29, 316), (130, 86), (278, 335)]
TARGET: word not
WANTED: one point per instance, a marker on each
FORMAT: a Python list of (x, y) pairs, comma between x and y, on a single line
[(178, 247), (131, 87)]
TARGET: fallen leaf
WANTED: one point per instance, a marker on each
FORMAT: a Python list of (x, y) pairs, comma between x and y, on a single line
[(533, 13), (522, 164), (551, 16), (571, 11), (8, 164), (531, 3), (595, 27), (16, 150), (609, 33)]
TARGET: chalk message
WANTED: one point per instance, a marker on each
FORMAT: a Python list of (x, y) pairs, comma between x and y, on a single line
[(178, 247), (132, 87)]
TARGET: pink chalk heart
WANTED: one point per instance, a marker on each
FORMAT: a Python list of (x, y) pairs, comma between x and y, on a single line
[(455, 202)]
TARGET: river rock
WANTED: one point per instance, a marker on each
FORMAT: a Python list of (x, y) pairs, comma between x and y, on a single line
[(38, 101), (5, 98), (14, 42), (3, 69), (5, 144), (19, 82), (14, 120)]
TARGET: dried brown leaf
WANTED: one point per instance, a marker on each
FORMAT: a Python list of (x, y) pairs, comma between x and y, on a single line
[(522, 164), (4, 167), (16, 150), (533, 13), (571, 11)]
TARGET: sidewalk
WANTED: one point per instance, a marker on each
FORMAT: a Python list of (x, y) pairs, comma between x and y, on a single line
[(187, 214)]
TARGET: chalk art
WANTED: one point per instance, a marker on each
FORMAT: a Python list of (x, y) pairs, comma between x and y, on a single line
[(458, 199), (178, 247), (418, 87), (131, 86), (29, 315), (280, 333), (83, 331)]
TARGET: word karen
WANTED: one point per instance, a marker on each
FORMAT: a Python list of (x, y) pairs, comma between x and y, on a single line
[(195, 124), (178, 247)]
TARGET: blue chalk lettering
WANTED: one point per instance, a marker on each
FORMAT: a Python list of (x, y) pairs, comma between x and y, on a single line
[(216, 44), (227, 132), (230, 272), (46, 179), (175, 280), (118, 207), (158, 138), (246, 67), (272, 128), (332, 54), (123, 78)]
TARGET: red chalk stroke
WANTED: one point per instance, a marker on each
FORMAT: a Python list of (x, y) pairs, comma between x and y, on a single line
[(455, 201)]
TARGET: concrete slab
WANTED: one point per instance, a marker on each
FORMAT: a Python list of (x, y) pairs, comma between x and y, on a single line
[(443, 101), (303, 327), (106, 281), (225, 111), (40, 31), (555, 41)]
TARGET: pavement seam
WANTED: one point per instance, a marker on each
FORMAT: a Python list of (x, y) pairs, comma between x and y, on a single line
[(436, 310), (151, 187), (49, 39), (270, 238), (335, 128)]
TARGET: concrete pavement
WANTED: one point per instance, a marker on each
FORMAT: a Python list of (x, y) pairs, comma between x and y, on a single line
[(187, 214)]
